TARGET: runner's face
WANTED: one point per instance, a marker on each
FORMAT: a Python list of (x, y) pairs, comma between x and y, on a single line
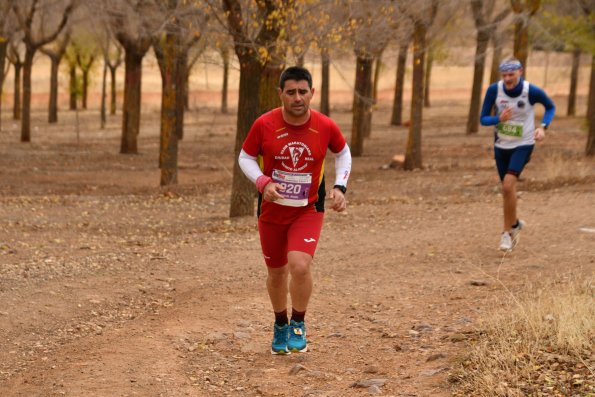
[(511, 78), (296, 96)]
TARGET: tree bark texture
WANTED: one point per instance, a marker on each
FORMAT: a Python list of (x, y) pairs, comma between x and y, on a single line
[(483, 40), (181, 77), (72, 86), (18, 83), (113, 93), (103, 111), (53, 103), (3, 49), (242, 196), (362, 103), (576, 60), (172, 73), (269, 83), (496, 57), (397, 113), (428, 76), (413, 156), (132, 98), (325, 83), (26, 115), (225, 88)]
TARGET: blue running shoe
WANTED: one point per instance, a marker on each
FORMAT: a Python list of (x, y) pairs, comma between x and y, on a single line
[(279, 344), (297, 337)]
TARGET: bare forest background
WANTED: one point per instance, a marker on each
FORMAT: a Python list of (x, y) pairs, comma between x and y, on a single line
[(125, 58)]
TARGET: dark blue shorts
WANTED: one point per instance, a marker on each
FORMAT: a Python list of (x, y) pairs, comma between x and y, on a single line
[(512, 161)]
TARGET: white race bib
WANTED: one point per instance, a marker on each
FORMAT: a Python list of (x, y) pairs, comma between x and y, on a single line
[(295, 187)]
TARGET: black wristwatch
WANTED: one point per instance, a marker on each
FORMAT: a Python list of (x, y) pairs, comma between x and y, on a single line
[(544, 126), (341, 188)]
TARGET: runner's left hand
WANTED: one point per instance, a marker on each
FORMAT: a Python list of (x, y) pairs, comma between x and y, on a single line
[(339, 203), (539, 134)]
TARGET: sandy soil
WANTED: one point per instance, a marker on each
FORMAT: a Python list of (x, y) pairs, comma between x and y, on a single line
[(111, 286)]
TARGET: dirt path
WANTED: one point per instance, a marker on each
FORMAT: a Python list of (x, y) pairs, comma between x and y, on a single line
[(110, 287)]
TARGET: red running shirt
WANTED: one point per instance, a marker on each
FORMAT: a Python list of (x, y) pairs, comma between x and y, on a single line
[(294, 157)]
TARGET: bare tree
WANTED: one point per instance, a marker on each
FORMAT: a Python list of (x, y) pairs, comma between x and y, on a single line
[(33, 22), (112, 59), (371, 31), (485, 24), (524, 10), (397, 111), (6, 29), (422, 15), (130, 20), (172, 44), (253, 42), (17, 60), (55, 53)]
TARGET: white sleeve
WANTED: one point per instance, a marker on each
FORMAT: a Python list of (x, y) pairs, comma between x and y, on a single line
[(343, 166), (249, 166)]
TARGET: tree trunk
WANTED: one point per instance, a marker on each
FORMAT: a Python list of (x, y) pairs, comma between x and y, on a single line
[(325, 83), (181, 74), (132, 100), (496, 57), (576, 60), (428, 75), (590, 149), (396, 118), (413, 157), (16, 110), (53, 105), (103, 111), (73, 87), (171, 74), (483, 40), (26, 116), (224, 89), (521, 43), (377, 66), (362, 103), (113, 102), (242, 191), (3, 48), (269, 83), (85, 87)]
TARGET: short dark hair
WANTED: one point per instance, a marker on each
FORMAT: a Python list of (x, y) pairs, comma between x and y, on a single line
[(296, 73)]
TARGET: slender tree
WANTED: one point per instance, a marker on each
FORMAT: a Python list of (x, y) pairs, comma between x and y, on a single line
[(17, 60), (486, 25), (55, 53), (172, 44), (397, 111), (27, 13), (371, 31), (132, 22), (422, 17)]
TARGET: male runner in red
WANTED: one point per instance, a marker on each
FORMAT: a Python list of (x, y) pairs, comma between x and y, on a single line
[(284, 156)]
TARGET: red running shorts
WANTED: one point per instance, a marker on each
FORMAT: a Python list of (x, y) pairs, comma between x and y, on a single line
[(301, 235)]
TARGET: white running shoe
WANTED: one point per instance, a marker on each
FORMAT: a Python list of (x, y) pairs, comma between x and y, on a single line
[(514, 233), (506, 242)]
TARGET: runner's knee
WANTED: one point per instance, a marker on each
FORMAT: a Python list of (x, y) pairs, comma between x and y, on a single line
[(299, 264)]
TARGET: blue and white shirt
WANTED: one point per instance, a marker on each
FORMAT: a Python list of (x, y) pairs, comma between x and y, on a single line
[(520, 129)]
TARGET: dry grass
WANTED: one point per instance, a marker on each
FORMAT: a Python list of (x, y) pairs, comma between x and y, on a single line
[(540, 345)]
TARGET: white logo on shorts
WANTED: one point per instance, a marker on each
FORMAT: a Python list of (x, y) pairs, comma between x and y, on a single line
[(309, 240)]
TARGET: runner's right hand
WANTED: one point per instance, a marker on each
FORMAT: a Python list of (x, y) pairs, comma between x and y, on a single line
[(271, 193)]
